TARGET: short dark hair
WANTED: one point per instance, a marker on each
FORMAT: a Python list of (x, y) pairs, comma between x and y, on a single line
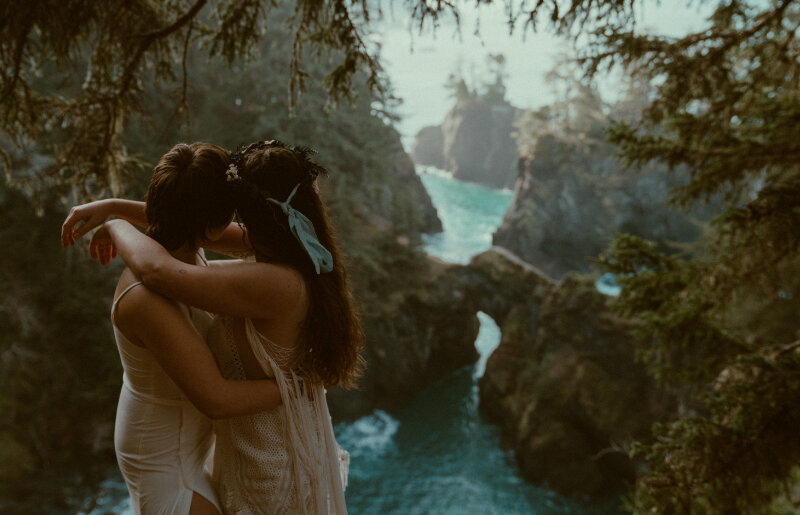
[(188, 194)]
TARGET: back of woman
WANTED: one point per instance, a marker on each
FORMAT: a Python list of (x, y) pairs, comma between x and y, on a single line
[(161, 439), (283, 460), (287, 460)]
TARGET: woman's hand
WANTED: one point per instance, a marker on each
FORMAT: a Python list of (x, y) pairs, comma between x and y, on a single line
[(102, 247), (91, 214), (95, 213)]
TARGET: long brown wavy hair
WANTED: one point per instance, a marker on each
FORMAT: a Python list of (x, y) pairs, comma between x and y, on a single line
[(332, 338)]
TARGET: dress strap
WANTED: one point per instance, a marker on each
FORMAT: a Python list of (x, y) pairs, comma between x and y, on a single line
[(114, 304)]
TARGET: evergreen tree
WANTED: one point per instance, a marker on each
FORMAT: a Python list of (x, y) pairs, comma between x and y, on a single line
[(495, 87), (719, 328), (74, 73)]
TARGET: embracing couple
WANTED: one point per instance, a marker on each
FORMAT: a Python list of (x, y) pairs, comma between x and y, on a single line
[(251, 343)]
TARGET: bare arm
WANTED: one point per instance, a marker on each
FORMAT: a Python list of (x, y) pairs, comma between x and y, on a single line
[(160, 325), (95, 213), (233, 241), (252, 290)]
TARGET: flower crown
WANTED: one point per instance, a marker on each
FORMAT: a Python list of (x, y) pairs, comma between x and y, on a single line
[(303, 154), (300, 226)]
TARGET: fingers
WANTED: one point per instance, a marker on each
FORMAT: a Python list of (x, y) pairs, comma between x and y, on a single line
[(86, 216), (68, 231), (111, 253), (89, 223), (66, 228), (102, 252)]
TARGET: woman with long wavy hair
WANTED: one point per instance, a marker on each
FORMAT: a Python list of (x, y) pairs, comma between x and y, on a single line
[(287, 315)]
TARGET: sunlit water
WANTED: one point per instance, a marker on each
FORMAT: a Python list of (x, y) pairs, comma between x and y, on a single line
[(437, 454), (470, 213), (607, 285)]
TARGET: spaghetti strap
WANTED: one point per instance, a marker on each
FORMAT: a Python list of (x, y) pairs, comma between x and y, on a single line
[(114, 304)]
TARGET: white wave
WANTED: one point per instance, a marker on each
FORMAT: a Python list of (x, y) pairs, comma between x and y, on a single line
[(372, 434), (432, 170)]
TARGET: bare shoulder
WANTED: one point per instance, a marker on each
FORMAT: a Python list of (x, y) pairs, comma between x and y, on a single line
[(284, 284), (287, 276), (139, 304)]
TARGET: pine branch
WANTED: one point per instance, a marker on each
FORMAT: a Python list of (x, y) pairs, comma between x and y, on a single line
[(150, 38)]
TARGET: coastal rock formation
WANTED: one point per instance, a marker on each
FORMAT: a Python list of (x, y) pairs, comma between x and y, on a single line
[(563, 383), (420, 332), (417, 211), (425, 326), (474, 143), (570, 199), (388, 199), (565, 388), (428, 148)]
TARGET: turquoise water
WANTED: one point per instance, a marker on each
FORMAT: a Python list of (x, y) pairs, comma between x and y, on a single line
[(437, 455), (470, 213), (607, 285)]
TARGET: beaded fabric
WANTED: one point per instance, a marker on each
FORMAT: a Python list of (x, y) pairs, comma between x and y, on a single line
[(284, 460)]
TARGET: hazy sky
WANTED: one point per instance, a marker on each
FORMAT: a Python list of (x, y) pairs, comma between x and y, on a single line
[(419, 64)]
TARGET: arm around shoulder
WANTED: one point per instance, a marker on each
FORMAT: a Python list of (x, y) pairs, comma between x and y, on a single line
[(165, 330)]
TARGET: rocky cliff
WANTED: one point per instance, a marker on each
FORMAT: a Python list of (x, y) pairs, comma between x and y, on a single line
[(563, 383), (565, 388), (570, 198), (428, 148), (474, 143), (420, 332), (425, 325), (387, 198), (398, 199)]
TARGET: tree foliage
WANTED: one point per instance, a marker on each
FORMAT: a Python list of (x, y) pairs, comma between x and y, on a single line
[(74, 73), (59, 374), (726, 108)]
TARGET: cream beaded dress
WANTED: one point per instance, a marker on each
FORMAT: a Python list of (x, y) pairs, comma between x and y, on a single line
[(280, 461)]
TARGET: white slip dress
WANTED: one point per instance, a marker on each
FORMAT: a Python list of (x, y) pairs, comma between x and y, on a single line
[(280, 461), (161, 440)]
